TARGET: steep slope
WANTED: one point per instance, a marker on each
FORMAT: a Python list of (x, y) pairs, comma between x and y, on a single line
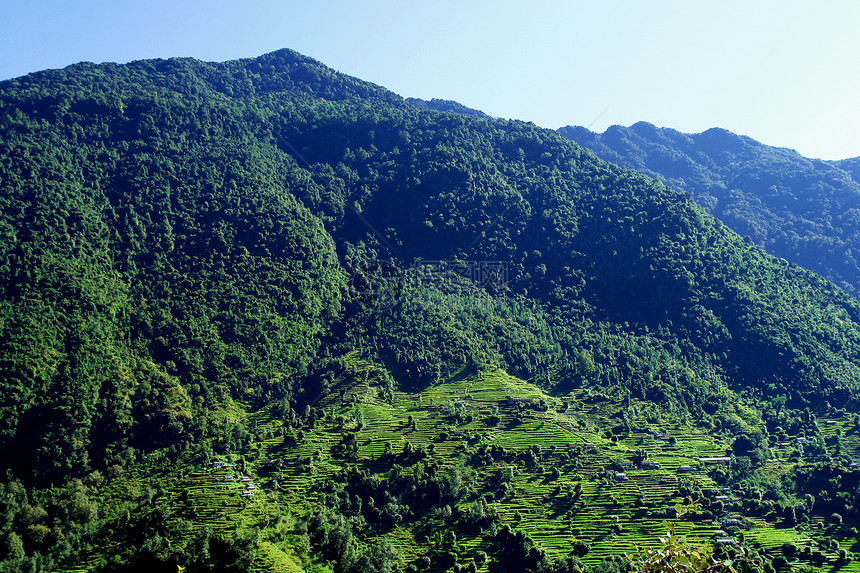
[(189, 248), (155, 279), (804, 210)]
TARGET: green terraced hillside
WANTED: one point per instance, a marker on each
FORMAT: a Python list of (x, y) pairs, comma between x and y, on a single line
[(550, 466)]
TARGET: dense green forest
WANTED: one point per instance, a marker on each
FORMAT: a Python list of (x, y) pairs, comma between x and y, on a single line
[(216, 263), (803, 210)]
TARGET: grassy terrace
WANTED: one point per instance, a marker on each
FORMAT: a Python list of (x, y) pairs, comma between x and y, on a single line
[(478, 408), (451, 420), (612, 516)]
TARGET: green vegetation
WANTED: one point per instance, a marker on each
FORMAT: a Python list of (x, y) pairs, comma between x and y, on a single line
[(804, 210), (429, 341)]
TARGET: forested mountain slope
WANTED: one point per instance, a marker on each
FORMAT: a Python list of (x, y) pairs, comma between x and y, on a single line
[(804, 210), (447, 105), (185, 243)]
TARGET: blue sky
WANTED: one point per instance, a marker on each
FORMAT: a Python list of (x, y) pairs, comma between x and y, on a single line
[(786, 73)]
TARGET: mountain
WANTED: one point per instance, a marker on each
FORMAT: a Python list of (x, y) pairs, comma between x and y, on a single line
[(424, 338), (852, 166), (800, 209), (447, 105)]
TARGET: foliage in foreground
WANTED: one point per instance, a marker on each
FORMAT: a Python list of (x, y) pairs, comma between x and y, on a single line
[(675, 554)]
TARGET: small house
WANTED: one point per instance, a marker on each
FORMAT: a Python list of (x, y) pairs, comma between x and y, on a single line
[(621, 476)]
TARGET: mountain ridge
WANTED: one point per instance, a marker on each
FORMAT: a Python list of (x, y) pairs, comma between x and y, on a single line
[(797, 208)]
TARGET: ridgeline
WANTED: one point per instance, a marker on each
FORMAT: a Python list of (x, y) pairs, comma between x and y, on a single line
[(804, 210)]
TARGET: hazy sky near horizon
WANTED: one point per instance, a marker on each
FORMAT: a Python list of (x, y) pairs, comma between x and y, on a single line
[(783, 72)]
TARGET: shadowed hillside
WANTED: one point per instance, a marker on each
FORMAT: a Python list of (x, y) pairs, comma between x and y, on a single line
[(804, 210)]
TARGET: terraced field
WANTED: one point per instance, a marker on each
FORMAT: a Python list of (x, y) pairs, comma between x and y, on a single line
[(562, 463)]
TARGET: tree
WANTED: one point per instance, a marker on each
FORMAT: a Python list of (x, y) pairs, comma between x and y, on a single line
[(379, 558), (676, 555), (14, 547)]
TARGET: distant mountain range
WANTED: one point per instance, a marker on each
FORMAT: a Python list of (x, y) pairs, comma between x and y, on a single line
[(804, 210)]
